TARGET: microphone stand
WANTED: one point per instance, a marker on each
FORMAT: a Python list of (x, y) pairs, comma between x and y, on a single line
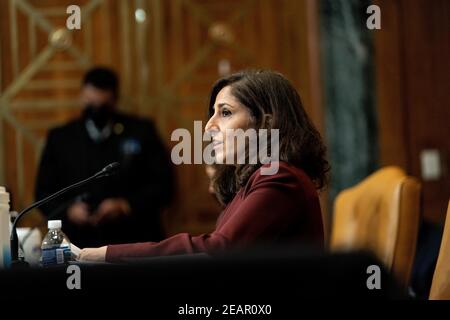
[(14, 240)]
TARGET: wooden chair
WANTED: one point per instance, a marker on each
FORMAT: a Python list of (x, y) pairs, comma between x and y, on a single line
[(440, 287), (381, 214)]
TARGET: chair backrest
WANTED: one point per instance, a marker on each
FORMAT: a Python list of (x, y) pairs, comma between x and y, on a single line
[(440, 287), (380, 214)]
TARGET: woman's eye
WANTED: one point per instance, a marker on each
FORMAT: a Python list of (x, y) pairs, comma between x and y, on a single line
[(226, 113)]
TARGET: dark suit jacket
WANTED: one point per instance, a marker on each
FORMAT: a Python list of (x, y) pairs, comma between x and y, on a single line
[(145, 178), (280, 208)]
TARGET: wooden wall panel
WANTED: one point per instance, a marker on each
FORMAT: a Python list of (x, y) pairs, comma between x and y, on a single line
[(412, 51)]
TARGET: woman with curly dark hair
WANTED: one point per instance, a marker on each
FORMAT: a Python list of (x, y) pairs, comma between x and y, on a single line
[(259, 209)]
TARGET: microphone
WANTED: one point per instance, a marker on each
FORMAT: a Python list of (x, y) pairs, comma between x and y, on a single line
[(107, 171)]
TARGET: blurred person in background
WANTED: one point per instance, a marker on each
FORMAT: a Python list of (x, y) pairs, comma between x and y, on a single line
[(125, 207)]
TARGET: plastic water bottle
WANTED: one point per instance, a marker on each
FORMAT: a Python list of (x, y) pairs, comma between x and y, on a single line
[(55, 246)]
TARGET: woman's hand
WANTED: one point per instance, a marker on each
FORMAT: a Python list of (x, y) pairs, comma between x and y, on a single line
[(93, 254)]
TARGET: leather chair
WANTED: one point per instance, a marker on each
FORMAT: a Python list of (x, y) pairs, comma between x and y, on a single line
[(381, 214), (440, 287)]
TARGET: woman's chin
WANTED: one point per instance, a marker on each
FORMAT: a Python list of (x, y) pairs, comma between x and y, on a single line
[(219, 158)]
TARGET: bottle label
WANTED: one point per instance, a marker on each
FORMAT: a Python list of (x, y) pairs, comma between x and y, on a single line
[(56, 254)]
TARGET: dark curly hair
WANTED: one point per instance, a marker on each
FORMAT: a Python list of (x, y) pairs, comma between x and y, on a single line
[(266, 92)]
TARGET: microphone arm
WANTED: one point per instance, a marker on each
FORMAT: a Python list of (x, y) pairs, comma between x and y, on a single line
[(105, 172)]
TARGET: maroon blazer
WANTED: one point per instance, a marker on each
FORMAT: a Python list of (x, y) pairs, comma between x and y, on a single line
[(278, 208)]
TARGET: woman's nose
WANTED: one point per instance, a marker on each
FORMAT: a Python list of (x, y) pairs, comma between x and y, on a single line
[(211, 125)]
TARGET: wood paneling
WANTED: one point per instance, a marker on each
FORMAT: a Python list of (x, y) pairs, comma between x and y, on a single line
[(412, 51)]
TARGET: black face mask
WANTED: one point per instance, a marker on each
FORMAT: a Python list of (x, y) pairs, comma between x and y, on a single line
[(100, 115)]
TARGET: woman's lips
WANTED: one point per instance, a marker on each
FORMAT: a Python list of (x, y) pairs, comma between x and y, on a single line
[(216, 144)]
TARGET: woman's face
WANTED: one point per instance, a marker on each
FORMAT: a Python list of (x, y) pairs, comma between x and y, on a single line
[(229, 113)]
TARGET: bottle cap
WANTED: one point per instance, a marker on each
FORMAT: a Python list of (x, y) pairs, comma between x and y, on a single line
[(54, 224)]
